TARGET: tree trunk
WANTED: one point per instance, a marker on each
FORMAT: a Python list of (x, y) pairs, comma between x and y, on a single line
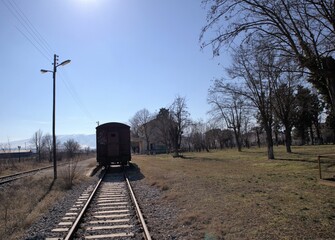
[(288, 140), (239, 145), (276, 137), (258, 139), (39, 155), (176, 152), (303, 137), (238, 140), (318, 132), (312, 134), (271, 155), (176, 145), (329, 73), (148, 146), (269, 142)]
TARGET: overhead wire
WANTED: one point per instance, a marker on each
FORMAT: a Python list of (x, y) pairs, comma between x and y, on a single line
[(27, 31), (32, 35), (43, 42), (43, 54), (72, 91)]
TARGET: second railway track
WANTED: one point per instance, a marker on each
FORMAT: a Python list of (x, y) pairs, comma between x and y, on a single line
[(107, 211), (19, 175)]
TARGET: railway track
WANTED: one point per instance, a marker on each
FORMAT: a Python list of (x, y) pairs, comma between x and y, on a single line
[(107, 211), (16, 176)]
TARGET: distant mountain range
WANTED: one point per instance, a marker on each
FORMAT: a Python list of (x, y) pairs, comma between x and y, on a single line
[(83, 140)]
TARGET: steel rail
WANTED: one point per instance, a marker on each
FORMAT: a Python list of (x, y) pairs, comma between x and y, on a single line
[(138, 211), (83, 210), (17, 176), (29, 171)]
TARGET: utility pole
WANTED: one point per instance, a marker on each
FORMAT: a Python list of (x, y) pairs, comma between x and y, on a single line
[(19, 147), (54, 117), (54, 109)]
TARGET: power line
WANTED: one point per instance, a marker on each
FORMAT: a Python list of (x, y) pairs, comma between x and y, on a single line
[(72, 91), (46, 57), (29, 31), (32, 27), (32, 35)]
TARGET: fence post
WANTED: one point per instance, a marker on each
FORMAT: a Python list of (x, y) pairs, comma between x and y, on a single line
[(319, 162)]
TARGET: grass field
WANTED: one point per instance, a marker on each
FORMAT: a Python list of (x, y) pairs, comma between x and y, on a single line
[(231, 195)]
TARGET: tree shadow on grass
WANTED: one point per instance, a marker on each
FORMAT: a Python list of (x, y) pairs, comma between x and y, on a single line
[(295, 160), (211, 159), (185, 157), (48, 191)]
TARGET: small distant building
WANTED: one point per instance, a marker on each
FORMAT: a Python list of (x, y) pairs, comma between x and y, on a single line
[(16, 154), (139, 144), (136, 145)]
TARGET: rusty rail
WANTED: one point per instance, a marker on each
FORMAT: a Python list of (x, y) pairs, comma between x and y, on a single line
[(138, 211)]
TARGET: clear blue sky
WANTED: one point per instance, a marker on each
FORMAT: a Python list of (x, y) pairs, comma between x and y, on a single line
[(126, 55)]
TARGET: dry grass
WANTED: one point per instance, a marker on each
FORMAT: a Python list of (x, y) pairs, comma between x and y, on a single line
[(13, 166), (25, 201), (69, 172), (20, 203), (233, 195)]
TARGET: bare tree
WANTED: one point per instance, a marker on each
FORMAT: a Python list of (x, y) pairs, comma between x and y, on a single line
[(196, 136), (308, 109), (47, 143), (246, 130), (140, 125), (303, 30), (214, 138), (72, 147), (230, 106), (37, 141), (258, 131), (180, 120), (284, 103), (87, 150), (255, 67)]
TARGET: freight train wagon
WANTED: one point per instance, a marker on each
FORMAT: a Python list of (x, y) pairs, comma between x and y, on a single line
[(113, 144)]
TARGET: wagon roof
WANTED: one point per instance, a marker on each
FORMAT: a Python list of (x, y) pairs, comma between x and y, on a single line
[(112, 124)]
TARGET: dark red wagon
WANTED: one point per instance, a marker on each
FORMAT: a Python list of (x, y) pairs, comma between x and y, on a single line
[(113, 144)]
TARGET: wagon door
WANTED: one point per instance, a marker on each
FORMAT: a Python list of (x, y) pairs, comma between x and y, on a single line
[(113, 144)]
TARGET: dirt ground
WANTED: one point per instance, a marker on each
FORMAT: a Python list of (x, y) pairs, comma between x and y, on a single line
[(230, 195)]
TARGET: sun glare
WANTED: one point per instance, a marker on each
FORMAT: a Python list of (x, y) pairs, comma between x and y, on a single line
[(86, 1), (87, 5)]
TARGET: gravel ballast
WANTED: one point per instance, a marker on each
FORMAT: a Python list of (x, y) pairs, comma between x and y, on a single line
[(42, 228), (159, 215)]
